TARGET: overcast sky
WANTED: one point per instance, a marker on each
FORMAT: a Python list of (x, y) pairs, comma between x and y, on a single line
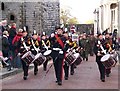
[(82, 9)]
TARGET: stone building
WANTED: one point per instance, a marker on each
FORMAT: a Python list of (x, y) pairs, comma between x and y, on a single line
[(40, 15), (106, 16)]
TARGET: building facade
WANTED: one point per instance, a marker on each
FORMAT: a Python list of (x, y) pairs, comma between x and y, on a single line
[(40, 15), (107, 16)]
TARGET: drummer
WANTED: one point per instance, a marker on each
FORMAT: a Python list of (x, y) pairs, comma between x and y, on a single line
[(22, 50), (99, 54), (45, 43), (34, 48), (71, 45)]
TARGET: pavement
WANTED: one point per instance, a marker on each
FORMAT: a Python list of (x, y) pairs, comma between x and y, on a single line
[(86, 77), (5, 73)]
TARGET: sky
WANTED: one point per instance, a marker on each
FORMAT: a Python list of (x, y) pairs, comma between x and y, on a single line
[(81, 9)]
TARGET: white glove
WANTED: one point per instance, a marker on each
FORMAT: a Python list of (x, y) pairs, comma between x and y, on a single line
[(19, 54), (61, 52)]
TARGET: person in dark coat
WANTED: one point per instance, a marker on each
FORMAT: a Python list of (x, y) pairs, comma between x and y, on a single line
[(6, 48), (85, 48), (57, 44), (12, 34), (24, 40), (99, 54), (43, 49)]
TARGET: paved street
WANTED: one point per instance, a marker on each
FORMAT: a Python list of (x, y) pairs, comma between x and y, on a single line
[(86, 77)]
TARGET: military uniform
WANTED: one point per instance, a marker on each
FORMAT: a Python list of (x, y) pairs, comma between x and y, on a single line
[(47, 43), (35, 51), (99, 55), (85, 48), (108, 47), (22, 50), (57, 44)]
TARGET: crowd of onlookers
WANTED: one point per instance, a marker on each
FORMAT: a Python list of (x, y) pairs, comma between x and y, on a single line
[(7, 34)]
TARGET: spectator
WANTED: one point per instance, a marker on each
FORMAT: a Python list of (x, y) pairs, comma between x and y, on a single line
[(6, 48)]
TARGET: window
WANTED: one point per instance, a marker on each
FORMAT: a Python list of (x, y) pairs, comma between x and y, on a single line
[(113, 6), (2, 6), (12, 17)]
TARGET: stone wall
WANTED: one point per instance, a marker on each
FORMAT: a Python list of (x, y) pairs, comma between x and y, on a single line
[(50, 15), (42, 15)]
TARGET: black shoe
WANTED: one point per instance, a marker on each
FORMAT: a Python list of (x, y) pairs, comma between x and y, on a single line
[(103, 80), (59, 83), (35, 73), (72, 73), (75, 66), (9, 69), (83, 59), (44, 69), (66, 78), (86, 59), (107, 75), (56, 81), (25, 77)]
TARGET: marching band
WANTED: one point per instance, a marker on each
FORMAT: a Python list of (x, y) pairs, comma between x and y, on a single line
[(64, 51)]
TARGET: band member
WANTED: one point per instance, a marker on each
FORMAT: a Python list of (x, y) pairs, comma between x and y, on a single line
[(72, 45), (46, 43), (34, 48), (24, 46), (99, 54), (57, 44), (108, 47)]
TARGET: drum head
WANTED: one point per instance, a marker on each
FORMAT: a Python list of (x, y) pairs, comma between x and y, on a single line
[(76, 55), (37, 56), (47, 52), (27, 53), (105, 57)]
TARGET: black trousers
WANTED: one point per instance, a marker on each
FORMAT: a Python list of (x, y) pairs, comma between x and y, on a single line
[(26, 67), (58, 66), (66, 69), (46, 62), (101, 68)]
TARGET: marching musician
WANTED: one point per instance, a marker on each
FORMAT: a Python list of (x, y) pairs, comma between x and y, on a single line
[(47, 43), (72, 45), (109, 48), (57, 44), (99, 54), (34, 48), (24, 39)]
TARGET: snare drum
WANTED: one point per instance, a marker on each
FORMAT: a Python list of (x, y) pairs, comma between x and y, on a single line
[(46, 53), (39, 59), (78, 59), (28, 57), (70, 58), (108, 61)]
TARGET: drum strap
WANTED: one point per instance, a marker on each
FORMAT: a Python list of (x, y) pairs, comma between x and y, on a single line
[(59, 40)]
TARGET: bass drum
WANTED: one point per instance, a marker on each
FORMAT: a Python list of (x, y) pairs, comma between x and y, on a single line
[(108, 61)]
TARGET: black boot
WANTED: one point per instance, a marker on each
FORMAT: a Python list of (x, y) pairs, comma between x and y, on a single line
[(60, 83), (25, 77)]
